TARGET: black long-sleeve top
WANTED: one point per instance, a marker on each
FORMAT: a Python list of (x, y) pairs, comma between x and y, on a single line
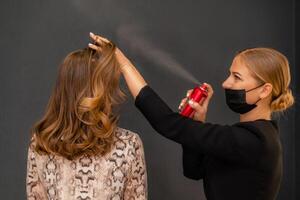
[(236, 162)]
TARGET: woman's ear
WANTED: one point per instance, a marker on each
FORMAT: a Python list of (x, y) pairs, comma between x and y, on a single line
[(266, 90)]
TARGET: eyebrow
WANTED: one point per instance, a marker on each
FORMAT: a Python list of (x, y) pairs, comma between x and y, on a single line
[(235, 73)]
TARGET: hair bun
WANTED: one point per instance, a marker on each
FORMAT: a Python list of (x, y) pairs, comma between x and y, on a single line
[(283, 101)]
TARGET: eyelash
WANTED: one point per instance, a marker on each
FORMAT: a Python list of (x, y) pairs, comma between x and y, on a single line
[(236, 77)]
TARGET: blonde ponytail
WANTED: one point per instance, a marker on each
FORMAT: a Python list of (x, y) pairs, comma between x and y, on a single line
[(283, 101)]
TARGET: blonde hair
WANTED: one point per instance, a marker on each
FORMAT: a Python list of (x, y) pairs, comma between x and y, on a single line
[(271, 66), (79, 117)]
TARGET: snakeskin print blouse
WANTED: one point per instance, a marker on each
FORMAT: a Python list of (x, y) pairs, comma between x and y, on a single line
[(120, 174)]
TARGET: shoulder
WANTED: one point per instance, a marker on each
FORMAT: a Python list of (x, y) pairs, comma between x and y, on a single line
[(32, 144), (259, 127), (124, 134), (128, 139), (259, 134), (127, 144)]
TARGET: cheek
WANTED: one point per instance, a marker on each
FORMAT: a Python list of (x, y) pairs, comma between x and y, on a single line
[(251, 98)]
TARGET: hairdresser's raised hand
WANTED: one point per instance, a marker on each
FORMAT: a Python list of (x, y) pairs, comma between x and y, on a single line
[(133, 78), (99, 44), (201, 107)]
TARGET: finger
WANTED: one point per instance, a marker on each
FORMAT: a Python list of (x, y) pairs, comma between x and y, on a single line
[(180, 107), (205, 102), (189, 92), (99, 39), (201, 101), (196, 106), (95, 47), (105, 40), (210, 90), (183, 102)]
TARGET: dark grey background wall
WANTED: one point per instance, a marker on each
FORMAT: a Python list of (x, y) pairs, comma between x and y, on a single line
[(297, 117), (202, 36)]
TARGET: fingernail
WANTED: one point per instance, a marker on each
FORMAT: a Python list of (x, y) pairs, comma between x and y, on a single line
[(90, 44), (191, 102), (91, 34)]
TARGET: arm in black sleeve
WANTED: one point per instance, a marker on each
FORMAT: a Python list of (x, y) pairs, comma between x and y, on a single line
[(192, 163), (228, 142)]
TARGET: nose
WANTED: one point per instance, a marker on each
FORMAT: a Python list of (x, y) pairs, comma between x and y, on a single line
[(226, 84)]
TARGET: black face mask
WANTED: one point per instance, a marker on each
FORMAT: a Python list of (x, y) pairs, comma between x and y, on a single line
[(236, 100)]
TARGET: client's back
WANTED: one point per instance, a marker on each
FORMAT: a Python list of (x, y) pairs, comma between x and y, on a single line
[(77, 150), (120, 174)]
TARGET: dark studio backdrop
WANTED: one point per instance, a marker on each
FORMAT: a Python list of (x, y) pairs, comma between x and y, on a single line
[(202, 36)]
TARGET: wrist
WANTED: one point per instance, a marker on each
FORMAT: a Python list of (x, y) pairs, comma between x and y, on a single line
[(199, 118), (126, 67)]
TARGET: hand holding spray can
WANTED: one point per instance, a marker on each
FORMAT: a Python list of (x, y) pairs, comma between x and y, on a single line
[(197, 95)]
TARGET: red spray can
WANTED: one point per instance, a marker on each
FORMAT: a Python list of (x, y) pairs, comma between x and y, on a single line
[(197, 94)]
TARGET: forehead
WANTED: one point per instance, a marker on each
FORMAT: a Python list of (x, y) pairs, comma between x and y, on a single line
[(239, 66)]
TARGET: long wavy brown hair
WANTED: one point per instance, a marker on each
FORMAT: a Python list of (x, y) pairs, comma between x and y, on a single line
[(80, 117)]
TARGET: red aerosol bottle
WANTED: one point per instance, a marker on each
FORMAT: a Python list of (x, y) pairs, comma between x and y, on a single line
[(197, 94)]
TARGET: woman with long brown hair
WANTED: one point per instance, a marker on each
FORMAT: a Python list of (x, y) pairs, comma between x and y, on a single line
[(242, 161), (77, 150)]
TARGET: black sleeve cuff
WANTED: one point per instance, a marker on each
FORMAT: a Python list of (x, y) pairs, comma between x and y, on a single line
[(144, 93)]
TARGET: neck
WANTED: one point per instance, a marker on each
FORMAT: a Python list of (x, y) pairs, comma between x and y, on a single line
[(255, 114)]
